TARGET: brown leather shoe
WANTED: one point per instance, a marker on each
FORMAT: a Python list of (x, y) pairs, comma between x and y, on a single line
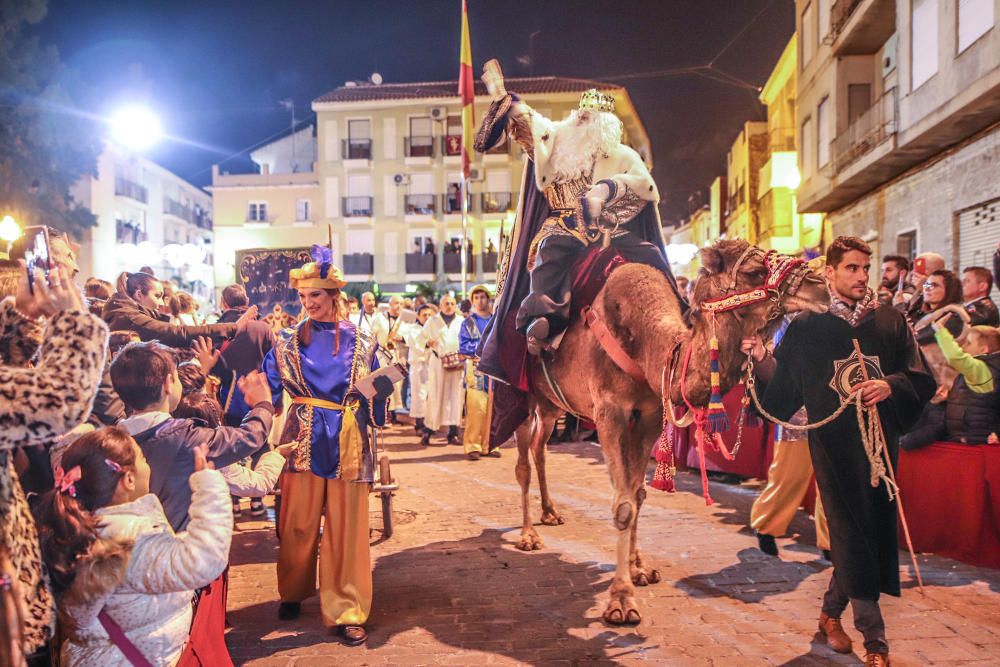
[(877, 660), (352, 635), (836, 638)]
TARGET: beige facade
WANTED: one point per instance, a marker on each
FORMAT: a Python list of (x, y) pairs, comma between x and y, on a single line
[(384, 187), (888, 90), (743, 164), (146, 216)]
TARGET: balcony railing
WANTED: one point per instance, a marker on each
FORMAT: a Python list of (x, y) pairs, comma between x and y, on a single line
[(420, 262), (860, 26), (775, 217), (451, 144), (359, 263), (840, 14), (127, 231), (419, 204), (131, 189), (489, 262), (178, 210), (357, 207), (357, 149), (452, 203), (418, 146), (781, 139), (496, 202), (453, 262), (871, 129)]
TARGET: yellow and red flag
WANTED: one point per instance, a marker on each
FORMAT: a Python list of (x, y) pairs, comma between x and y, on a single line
[(467, 91)]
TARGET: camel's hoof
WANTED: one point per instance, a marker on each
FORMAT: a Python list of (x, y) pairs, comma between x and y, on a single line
[(530, 542), (646, 577), (615, 615), (552, 519)]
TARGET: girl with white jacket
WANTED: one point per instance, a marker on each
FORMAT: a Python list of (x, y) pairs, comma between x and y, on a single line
[(112, 555)]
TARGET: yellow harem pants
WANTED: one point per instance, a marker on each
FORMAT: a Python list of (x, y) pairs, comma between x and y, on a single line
[(788, 480), (345, 571), (477, 428)]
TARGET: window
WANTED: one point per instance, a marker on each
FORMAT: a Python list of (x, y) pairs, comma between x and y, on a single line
[(453, 140), (303, 210), (359, 140), (808, 34), (975, 18), (807, 147), (924, 41), (859, 100), (358, 203), (420, 143), (906, 245), (257, 211), (823, 11), (823, 132)]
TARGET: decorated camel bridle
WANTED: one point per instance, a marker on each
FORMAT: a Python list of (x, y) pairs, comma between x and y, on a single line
[(784, 276)]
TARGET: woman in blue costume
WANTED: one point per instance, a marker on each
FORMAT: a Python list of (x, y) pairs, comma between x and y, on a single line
[(318, 362)]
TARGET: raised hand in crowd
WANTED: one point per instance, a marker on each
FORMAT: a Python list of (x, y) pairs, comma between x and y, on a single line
[(255, 388), (46, 298), (206, 355), (249, 315)]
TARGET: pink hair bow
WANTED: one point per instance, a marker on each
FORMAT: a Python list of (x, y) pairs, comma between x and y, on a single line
[(66, 481)]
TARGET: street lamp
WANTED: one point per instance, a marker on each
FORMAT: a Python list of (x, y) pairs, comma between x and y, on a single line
[(10, 231), (136, 127)]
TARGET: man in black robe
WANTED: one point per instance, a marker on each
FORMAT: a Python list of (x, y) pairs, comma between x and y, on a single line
[(817, 366)]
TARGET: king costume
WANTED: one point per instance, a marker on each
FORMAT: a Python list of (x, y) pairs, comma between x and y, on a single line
[(816, 366), (333, 467)]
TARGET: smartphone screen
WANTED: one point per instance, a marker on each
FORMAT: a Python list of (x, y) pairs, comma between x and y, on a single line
[(33, 247)]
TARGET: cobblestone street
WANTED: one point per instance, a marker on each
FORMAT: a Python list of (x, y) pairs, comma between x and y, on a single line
[(450, 588)]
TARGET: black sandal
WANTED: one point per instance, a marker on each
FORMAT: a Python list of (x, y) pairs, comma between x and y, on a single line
[(352, 635)]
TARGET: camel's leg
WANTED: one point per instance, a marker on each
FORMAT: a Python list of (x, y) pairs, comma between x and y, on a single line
[(529, 540), (640, 574), (624, 441), (643, 429), (545, 419)]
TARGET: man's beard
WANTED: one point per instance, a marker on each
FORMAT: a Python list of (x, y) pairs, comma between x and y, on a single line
[(577, 144)]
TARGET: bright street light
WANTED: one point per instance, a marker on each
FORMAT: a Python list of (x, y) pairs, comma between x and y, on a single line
[(136, 127), (10, 231)]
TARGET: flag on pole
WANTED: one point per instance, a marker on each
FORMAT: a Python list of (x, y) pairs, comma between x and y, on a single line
[(466, 90)]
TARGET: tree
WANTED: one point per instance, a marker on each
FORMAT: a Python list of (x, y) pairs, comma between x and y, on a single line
[(46, 144)]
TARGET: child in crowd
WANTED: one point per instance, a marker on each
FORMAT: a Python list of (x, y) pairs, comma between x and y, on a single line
[(243, 481), (145, 376), (972, 411), (114, 561)]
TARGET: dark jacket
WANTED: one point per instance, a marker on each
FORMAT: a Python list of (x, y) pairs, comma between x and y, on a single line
[(108, 407), (983, 311), (124, 314), (970, 417), (169, 449), (232, 314)]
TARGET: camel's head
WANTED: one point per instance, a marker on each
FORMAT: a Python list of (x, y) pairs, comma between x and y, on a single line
[(754, 288)]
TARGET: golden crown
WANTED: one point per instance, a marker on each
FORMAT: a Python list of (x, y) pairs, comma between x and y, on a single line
[(318, 274), (595, 99)]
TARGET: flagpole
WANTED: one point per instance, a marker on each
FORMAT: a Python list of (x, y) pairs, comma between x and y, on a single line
[(465, 234), (467, 94)]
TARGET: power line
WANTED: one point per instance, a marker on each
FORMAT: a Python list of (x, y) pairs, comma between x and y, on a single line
[(740, 33)]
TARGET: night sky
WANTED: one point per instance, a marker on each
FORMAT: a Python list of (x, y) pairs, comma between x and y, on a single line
[(216, 71)]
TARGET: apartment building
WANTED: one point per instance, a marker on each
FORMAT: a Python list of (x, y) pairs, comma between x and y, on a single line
[(779, 224), (898, 111), (146, 216), (743, 163), (384, 187)]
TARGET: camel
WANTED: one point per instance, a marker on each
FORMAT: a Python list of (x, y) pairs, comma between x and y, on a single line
[(641, 310)]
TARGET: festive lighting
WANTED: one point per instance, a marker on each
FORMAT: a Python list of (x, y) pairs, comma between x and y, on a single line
[(785, 170), (681, 253), (136, 127), (10, 231)]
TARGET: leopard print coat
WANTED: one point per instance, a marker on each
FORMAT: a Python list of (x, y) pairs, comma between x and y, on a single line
[(36, 405)]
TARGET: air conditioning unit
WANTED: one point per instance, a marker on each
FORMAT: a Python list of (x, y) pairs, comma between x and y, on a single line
[(475, 175), (401, 179), (438, 113)]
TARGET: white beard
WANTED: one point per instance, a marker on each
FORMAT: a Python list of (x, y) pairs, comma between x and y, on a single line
[(577, 144)]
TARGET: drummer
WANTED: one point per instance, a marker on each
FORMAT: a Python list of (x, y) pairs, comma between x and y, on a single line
[(444, 372), (317, 362)]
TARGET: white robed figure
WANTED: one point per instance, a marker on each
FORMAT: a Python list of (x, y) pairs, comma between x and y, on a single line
[(419, 357), (445, 387)]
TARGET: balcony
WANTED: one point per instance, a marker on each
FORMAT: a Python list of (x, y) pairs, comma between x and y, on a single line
[(357, 207), (418, 147), (178, 210), (489, 262), (451, 145), (421, 263), (453, 262), (356, 149), (131, 189), (419, 204), (496, 202), (451, 204), (359, 264), (872, 129), (781, 139), (127, 231), (861, 26)]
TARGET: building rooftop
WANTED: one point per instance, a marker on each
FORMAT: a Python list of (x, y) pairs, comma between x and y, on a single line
[(537, 85)]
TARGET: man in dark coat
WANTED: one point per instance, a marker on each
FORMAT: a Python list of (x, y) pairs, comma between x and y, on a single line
[(234, 303), (817, 366), (977, 283)]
